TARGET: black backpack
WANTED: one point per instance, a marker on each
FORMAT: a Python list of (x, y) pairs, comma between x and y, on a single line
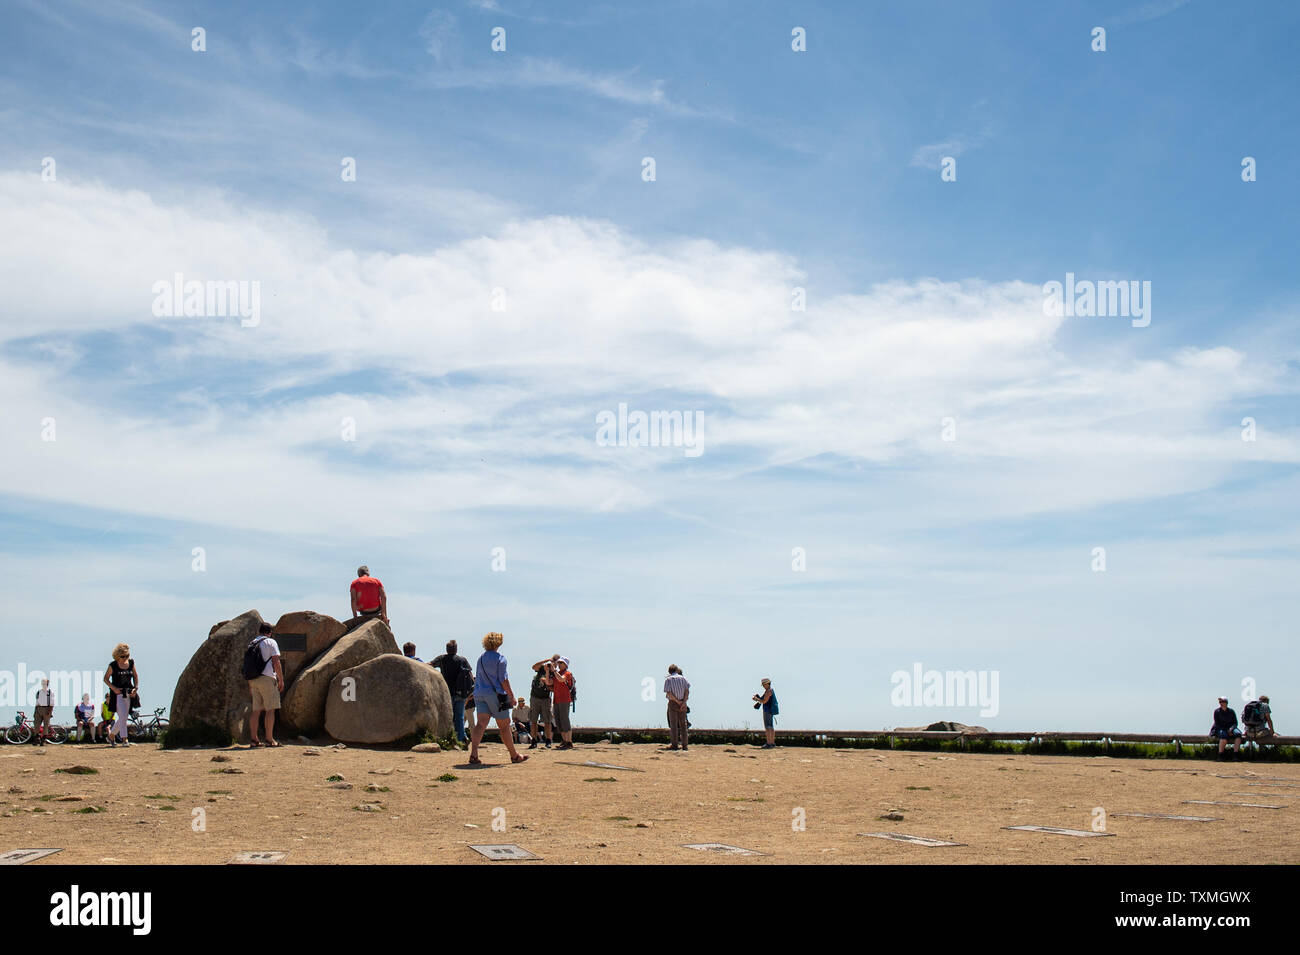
[(253, 662), (464, 679), (1250, 714)]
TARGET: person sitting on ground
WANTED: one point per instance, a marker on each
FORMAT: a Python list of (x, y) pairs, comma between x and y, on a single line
[(539, 705), (1257, 717), (85, 711), (492, 696), (408, 650), (521, 716), (368, 597), (1225, 727)]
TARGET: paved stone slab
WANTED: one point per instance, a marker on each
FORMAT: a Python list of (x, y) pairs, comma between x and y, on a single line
[(1078, 833), (1213, 802), (258, 858), (722, 848), (914, 840), (1162, 815), (505, 853), (23, 856)]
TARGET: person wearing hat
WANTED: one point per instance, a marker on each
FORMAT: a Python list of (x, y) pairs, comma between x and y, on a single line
[(1225, 727), (368, 597), (770, 709)]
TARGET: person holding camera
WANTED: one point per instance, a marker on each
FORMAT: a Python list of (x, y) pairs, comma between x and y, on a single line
[(492, 696), (539, 703), (768, 703)]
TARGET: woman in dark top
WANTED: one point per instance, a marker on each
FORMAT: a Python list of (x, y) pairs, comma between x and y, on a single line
[(768, 702), (121, 677)]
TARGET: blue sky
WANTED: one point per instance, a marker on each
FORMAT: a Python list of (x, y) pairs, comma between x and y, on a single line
[(475, 428)]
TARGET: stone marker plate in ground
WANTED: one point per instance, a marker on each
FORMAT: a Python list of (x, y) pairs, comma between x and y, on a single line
[(1162, 815), (258, 858), (1277, 785), (1258, 795), (23, 856), (507, 853), (914, 840), (1080, 833), (722, 848), (1214, 802), (590, 764)]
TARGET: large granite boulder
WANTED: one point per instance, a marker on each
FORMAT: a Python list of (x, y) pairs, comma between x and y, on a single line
[(385, 699), (212, 690), (321, 633), (303, 704)]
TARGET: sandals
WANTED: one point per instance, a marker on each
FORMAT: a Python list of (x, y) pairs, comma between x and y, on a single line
[(254, 744), (272, 745), (475, 761), (517, 758)]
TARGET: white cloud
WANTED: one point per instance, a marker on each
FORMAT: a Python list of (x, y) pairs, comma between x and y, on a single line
[(593, 316)]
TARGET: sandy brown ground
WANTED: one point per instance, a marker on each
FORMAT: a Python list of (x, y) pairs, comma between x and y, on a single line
[(743, 796)]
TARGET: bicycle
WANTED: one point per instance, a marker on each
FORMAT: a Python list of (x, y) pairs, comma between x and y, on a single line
[(22, 731), (140, 731)]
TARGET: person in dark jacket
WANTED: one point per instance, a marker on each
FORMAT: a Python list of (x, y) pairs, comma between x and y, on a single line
[(1225, 727), (456, 671)]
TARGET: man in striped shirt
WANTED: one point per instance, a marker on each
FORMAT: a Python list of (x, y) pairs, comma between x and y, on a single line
[(678, 691)]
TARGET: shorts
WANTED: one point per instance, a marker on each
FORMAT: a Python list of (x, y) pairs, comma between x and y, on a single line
[(1226, 734), (491, 706), (561, 711), (541, 707), (769, 720), (1260, 730), (266, 693)]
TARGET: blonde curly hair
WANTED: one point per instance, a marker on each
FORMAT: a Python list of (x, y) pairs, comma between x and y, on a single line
[(121, 652), (492, 640)]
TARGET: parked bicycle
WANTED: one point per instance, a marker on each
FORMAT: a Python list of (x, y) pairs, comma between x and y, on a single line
[(138, 730), (22, 731)]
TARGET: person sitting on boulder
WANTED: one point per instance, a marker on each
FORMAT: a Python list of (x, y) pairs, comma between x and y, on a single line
[(408, 651), (368, 597)]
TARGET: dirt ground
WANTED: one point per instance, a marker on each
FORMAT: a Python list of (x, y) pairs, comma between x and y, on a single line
[(281, 800)]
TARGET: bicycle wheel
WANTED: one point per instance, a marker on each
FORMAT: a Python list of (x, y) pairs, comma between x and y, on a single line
[(136, 732), (19, 734), (57, 734), (160, 727)]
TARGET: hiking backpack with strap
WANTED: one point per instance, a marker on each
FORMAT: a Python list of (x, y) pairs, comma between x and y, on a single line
[(1251, 712), (253, 662)]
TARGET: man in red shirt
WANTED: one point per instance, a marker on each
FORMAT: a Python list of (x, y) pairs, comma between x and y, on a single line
[(562, 703), (368, 597)]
